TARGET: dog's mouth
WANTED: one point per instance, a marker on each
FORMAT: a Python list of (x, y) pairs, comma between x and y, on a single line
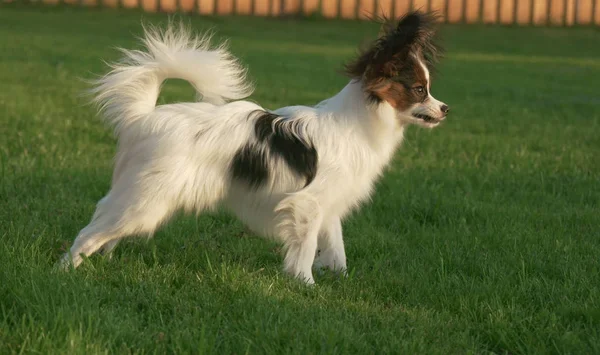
[(426, 118)]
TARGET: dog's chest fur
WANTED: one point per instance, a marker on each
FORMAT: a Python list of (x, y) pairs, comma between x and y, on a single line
[(364, 166)]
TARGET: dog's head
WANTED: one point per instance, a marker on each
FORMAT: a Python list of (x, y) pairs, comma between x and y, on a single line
[(395, 69)]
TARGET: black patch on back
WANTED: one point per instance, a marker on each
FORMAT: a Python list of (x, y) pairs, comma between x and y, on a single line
[(300, 156), (250, 165)]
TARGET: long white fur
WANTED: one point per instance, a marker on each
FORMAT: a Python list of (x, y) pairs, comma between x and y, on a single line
[(177, 156)]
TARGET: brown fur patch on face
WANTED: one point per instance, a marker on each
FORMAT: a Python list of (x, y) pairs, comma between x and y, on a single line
[(395, 94), (401, 90)]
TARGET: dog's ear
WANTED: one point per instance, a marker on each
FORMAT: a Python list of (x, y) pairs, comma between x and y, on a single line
[(385, 26), (413, 33)]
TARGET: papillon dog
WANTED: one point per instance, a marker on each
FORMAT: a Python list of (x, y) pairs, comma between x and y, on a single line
[(291, 174)]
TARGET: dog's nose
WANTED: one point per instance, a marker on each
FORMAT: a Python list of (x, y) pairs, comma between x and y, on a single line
[(445, 109)]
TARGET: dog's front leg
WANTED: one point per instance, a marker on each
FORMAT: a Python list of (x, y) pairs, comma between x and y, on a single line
[(331, 253), (299, 221)]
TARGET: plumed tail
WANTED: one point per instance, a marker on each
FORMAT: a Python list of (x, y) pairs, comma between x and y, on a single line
[(129, 91)]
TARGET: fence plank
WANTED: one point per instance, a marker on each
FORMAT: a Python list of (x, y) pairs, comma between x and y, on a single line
[(401, 7), (168, 5), (570, 13), (206, 7), (329, 8), (472, 11), (597, 12), (439, 6), (110, 3), (89, 2), (420, 4), (455, 10), (187, 5), (261, 7), (130, 4), (224, 7), (243, 7), (291, 6), (507, 11), (348, 9), (276, 6), (540, 12), (523, 11), (584, 12), (490, 11), (366, 9), (149, 5), (310, 7), (557, 9)]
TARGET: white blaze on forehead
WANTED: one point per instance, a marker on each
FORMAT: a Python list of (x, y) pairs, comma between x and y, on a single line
[(431, 103), (424, 67)]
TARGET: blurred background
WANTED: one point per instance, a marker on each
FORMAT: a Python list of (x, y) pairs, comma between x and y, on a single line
[(538, 12), (482, 236)]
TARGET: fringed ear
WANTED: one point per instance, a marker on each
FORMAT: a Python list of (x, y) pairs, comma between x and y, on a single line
[(385, 27), (413, 32), (382, 31)]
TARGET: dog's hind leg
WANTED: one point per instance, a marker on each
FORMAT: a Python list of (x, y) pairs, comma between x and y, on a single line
[(331, 247), (299, 220), (118, 215), (109, 247)]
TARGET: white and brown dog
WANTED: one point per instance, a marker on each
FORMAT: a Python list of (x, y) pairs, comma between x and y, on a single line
[(291, 174)]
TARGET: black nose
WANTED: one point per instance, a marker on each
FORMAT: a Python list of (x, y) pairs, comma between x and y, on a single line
[(445, 109)]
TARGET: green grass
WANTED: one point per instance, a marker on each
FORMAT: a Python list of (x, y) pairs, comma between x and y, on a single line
[(483, 237)]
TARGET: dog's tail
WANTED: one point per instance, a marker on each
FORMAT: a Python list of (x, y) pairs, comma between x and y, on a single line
[(130, 90)]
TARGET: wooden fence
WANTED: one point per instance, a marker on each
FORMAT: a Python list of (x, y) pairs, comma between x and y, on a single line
[(526, 12)]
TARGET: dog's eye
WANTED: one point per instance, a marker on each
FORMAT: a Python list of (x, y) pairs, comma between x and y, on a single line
[(420, 89)]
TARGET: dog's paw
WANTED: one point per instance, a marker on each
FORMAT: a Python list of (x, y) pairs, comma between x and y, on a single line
[(328, 260), (65, 263)]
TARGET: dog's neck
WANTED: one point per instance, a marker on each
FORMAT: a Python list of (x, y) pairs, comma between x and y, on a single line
[(377, 122)]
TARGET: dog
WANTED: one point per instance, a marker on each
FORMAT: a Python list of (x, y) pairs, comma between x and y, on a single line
[(291, 174)]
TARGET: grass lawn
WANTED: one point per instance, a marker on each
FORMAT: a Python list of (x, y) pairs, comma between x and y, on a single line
[(483, 237)]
